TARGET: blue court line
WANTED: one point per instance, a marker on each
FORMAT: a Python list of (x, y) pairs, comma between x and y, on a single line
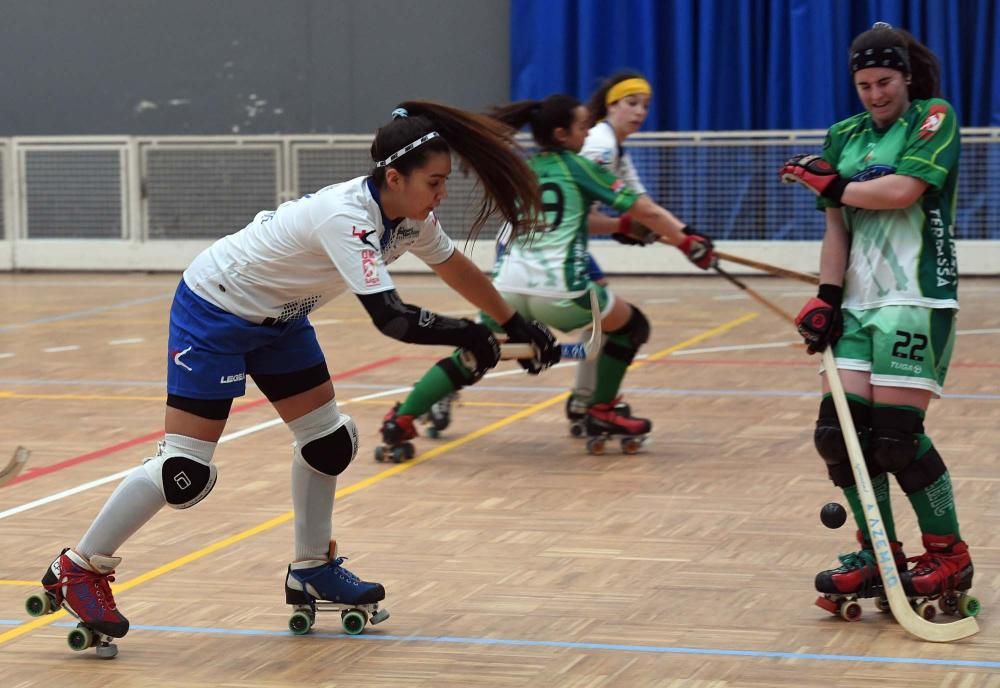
[(512, 389), (610, 647), (84, 313)]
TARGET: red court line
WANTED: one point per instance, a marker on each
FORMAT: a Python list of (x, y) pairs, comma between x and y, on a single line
[(33, 473)]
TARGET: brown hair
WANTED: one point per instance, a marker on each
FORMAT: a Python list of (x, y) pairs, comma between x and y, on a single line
[(924, 69), (598, 108), (483, 144), (544, 116)]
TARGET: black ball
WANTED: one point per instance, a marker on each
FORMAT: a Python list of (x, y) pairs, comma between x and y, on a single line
[(833, 515)]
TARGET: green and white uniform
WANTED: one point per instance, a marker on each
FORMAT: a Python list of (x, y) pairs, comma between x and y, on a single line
[(544, 276), (901, 284)]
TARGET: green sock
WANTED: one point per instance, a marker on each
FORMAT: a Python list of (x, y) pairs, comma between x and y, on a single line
[(434, 386), (935, 504), (610, 370), (880, 485)]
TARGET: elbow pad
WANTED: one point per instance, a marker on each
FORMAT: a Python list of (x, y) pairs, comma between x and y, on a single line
[(411, 324)]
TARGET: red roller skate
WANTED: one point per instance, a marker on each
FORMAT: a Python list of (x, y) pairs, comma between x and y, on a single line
[(82, 587), (607, 420), (942, 574), (856, 577), (397, 431)]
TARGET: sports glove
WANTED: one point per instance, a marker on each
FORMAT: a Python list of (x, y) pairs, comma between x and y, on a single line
[(699, 249), (547, 351), (816, 174), (821, 322), (633, 233), (479, 341)]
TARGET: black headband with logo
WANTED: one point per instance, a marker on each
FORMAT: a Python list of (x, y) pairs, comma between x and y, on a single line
[(887, 52)]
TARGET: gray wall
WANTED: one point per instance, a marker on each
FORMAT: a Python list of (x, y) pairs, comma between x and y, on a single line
[(242, 66)]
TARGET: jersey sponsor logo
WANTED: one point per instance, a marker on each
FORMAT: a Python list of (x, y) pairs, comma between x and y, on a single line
[(426, 318), (228, 379), (176, 355), (363, 234), (932, 123), (873, 172), (618, 185), (369, 267)]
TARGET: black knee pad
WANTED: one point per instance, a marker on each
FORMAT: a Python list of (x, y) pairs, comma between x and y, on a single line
[(636, 330), (331, 454), (895, 442), (457, 373), (829, 439)]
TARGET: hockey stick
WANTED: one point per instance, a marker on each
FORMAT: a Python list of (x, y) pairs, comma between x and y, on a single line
[(767, 267), (910, 621), (588, 350), (14, 466), (752, 293)]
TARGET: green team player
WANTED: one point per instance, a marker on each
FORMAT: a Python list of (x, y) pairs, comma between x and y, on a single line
[(546, 279), (887, 303)]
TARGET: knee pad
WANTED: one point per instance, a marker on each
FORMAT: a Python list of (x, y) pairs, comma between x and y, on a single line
[(325, 440), (829, 439), (623, 344), (896, 442), (184, 477), (457, 373)]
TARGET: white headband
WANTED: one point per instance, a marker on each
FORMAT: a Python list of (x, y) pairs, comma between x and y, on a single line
[(406, 149)]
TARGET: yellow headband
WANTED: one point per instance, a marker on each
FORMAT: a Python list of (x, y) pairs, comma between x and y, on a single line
[(629, 87)]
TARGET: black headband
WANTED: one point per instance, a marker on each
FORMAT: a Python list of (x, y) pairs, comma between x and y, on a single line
[(893, 57)]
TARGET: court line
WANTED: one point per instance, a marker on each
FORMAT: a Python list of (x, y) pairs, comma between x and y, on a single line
[(72, 315), (355, 487)]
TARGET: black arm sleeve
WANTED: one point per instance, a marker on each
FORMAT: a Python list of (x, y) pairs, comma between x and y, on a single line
[(412, 324)]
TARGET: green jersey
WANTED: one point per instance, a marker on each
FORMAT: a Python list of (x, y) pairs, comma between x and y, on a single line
[(554, 262), (904, 256)]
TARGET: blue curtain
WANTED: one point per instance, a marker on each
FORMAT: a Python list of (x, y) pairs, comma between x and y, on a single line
[(747, 64)]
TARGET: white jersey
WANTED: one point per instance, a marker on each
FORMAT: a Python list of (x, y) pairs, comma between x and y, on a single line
[(603, 148), (290, 261)]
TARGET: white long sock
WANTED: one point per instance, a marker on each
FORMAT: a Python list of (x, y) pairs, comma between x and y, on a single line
[(134, 502), (313, 492)]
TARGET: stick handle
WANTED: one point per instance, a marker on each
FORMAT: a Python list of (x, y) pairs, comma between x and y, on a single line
[(767, 267), (576, 351)]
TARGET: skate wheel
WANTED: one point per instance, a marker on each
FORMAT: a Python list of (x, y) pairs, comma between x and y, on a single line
[(631, 445), (968, 605), (409, 451), (39, 605), (380, 454), (576, 429), (80, 638), (882, 604), (398, 454), (353, 621), (949, 603), (300, 623), (926, 611), (433, 432), (595, 445), (850, 611)]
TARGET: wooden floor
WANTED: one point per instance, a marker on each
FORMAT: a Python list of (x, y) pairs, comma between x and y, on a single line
[(511, 557)]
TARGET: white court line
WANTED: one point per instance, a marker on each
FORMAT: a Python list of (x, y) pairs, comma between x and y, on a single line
[(730, 297), (7, 355), (992, 330), (58, 349), (131, 340), (737, 347), (225, 438), (660, 300)]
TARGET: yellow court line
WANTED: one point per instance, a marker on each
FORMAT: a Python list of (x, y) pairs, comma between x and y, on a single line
[(18, 583), (360, 485)]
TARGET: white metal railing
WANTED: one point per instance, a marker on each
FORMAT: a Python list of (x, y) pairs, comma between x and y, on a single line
[(152, 203)]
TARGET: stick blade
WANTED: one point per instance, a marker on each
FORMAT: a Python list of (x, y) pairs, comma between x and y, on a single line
[(593, 345), (14, 466)]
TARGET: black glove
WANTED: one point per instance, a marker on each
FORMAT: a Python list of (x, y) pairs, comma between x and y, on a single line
[(547, 350), (821, 322), (633, 233), (698, 248), (478, 340)]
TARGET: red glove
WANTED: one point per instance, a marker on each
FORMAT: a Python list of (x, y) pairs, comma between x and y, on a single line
[(821, 322), (633, 233), (699, 249), (816, 174)]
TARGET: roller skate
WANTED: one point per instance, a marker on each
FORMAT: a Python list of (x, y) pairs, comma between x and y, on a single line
[(326, 586), (439, 416), (81, 587), (856, 577), (576, 413), (397, 431), (943, 574), (604, 421)]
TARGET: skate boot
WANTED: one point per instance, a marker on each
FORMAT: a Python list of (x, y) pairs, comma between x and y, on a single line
[(604, 421), (397, 431), (81, 587), (439, 416), (942, 574), (326, 586), (856, 577), (576, 412)]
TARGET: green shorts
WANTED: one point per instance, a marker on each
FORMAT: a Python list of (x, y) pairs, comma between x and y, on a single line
[(562, 314), (901, 346)]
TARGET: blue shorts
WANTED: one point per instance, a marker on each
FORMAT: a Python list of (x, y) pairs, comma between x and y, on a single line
[(594, 272), (210, 351)]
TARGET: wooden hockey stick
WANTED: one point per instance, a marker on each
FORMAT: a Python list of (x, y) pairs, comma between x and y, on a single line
[(767, 267), (753, 294), (14, 466), (911, 622)]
